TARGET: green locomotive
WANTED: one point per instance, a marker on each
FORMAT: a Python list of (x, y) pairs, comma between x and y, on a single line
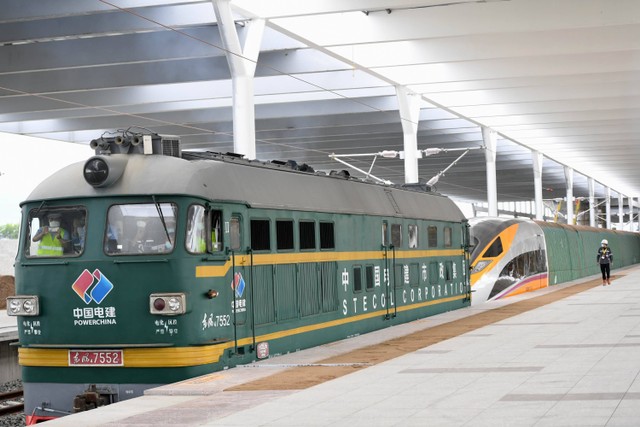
[(148, 265)]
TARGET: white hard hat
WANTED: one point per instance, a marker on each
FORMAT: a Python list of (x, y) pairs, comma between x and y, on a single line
[(604, 242)]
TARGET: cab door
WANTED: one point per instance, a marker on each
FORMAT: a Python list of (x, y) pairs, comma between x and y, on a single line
[(240, 280)]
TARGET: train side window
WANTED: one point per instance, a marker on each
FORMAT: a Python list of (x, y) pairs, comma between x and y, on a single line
[(327, 239), (434, 273), (385, 234), (307, 235), (56, 232), (448, 271), (369, 277), (195, 238), (284, 234), (234, 233), (260, 237), (494, 250), (357, 278), (396, 235), (432, 236), (414, 274), (413, 236), (216, 231), (447, 237)]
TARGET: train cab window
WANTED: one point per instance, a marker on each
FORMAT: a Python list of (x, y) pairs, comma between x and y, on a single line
[(260, 236), (56, 232), (447, 237), (396, 235), (284, 234), (432, 236), (327, 239), (494, 250), (141, 228), (413, 236), (307, 235), (234, 233)]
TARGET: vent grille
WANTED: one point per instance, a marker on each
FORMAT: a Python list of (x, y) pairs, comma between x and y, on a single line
[(170, 147)]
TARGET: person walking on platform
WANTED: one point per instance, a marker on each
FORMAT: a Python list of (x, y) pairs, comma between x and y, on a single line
[(605, 259)]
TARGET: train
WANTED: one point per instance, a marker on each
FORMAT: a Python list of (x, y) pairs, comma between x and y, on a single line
[(511, 256), (147, 264)]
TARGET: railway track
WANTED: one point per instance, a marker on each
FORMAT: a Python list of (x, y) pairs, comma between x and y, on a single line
[(11, 402)]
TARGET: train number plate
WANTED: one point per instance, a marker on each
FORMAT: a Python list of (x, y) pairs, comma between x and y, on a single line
[(96, 358)]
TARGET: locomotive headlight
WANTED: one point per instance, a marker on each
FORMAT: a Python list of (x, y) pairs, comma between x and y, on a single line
[(168, 304), (480, 265), (102, 171), (14, 306), (96, 171), (23, 305), (175, 304), (28, 306)]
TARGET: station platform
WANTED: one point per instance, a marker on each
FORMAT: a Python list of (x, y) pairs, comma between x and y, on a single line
[(571, 362), (9, 368), (8, 326)]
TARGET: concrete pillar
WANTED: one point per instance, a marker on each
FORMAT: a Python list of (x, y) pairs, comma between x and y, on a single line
[(242, 64), (592, 202), (568, 176), (491, 144), (409, 106), (537, 183)]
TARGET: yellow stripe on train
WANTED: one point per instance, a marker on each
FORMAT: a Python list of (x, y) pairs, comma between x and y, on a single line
[(293, 258), (175, 357)]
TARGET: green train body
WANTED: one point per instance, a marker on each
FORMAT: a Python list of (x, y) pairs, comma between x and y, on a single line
[(572, 250), (239, 261)]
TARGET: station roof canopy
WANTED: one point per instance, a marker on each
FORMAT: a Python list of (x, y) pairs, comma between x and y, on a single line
[(561, 77)]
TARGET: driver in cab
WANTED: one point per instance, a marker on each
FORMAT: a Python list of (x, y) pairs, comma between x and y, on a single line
[(54, 239)]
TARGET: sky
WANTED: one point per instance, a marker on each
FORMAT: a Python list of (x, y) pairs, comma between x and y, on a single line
[(25, 162)]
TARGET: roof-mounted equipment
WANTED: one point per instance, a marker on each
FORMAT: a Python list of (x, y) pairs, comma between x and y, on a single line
[(137, 143)]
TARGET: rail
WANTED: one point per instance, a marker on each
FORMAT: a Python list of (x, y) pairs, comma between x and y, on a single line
[(11, 402)]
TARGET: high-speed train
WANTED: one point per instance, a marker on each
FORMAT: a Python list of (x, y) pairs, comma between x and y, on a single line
[(512, 256)]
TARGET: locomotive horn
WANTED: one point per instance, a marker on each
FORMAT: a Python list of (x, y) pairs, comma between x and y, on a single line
[(119, 140), (136, 140), (99, 143)]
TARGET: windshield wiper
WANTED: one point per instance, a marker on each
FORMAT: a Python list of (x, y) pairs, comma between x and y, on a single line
[(161, 215), (44, 202)]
